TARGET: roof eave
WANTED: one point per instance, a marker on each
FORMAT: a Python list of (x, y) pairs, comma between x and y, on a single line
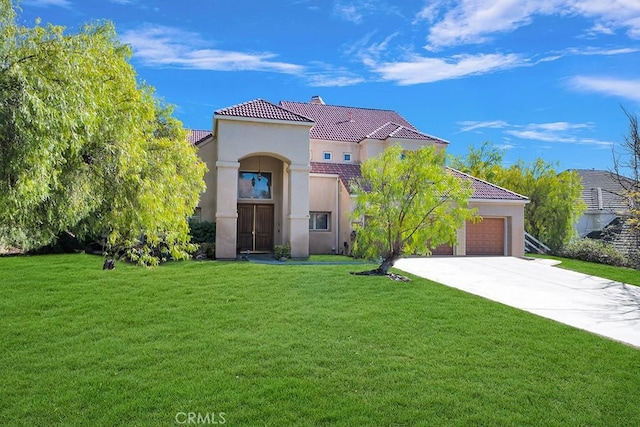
[(501, 201), (262, 120)]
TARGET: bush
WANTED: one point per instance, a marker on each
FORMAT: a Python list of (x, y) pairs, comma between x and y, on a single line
[(202, 232), (594, 251), (206, 251), (282, 251)]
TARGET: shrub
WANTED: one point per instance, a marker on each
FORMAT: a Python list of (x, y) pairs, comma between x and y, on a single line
[(593, 251), (206, 251), (202, 232), (282, 251)]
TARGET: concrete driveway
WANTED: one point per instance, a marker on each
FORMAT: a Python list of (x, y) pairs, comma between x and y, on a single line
[(601, 306)]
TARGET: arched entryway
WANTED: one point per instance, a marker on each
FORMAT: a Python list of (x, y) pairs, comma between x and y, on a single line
[(261, 193)]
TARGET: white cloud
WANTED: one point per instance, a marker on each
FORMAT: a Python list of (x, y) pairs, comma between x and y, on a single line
[(540, 135), (160, 46), (562, 126), (629, 89), (559, 132), (355, 10), (46, 3), (320, 74), (419, 69), (601, 51), (330, 80), (469, 125), (476, 21), (348, 12), (505, 146)]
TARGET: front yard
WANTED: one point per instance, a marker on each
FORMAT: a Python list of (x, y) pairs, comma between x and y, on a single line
[(288, 345)]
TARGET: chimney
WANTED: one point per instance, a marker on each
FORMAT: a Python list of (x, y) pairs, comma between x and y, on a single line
[(315, 99)]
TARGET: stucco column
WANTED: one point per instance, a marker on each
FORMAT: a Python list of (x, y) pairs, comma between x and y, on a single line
[(227, 209), (299, 210), (461, 237)]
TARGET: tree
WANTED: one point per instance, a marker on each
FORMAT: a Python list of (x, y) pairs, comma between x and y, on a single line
[(627, 169), (409, 203), (555, 200), (85, 148), (484, 163)]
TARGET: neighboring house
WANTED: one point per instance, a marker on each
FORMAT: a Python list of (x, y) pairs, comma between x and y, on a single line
[(607, 207), (604, 197), (281, 174)]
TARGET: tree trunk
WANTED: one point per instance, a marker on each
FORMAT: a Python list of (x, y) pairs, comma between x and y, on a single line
[(383, 268), (386, 264)]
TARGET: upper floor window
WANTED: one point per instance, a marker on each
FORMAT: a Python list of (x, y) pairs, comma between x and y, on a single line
[(346, 157), (327, 156)]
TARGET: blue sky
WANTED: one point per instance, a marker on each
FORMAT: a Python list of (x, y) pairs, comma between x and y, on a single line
[(539, 78)]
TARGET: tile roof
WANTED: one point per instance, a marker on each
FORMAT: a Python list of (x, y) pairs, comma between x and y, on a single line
[(196, 136), (610, 193), (346, 171), (394, 130), (261, 109), (482, 190), (352, 124)]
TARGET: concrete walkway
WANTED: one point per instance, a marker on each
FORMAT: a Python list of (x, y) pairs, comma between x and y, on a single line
[(601, 306)]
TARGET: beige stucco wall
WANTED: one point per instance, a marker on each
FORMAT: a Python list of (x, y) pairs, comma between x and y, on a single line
[(373, 147), (323, 197), (347, 204), (207, 203), (336, 148), (328, 194), (285, 148)]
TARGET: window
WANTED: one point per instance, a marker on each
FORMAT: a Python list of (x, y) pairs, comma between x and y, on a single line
[(346, 157), (254, 185), (326, 156), (319, 221)]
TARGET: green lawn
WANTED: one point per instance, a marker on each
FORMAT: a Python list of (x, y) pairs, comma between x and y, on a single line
[(303, 345), (619, 274)]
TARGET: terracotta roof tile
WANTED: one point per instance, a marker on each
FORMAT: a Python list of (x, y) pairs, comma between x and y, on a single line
[(352, 124), (196, 136), (261, 109), (347, 171), (483, 190)]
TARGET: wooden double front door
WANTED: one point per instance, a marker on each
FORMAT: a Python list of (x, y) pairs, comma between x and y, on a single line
[(255, 227)]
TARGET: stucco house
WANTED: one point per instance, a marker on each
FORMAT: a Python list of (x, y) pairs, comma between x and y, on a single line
[(604, 197), (607, 209), (281, 174)]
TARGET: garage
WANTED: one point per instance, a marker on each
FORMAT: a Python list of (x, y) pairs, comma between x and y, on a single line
[(443, 250), (486, 237)]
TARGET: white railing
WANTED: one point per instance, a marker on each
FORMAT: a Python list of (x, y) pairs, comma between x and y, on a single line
[(531, 244)]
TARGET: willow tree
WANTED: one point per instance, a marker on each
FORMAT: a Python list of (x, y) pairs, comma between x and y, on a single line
[(87, 149), (555, 199), (409, 203)]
